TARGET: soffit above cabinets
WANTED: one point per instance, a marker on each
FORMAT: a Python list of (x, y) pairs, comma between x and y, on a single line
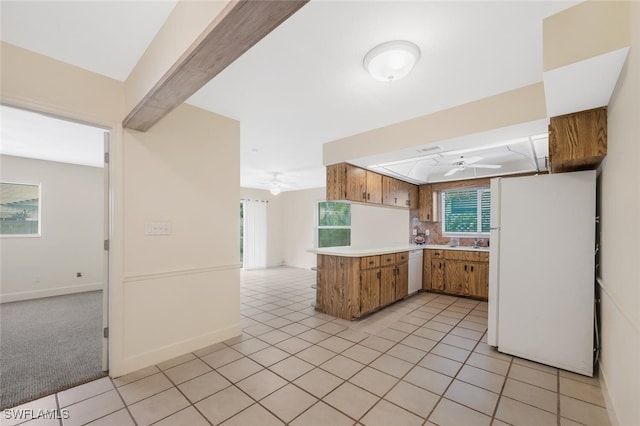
[(431, 163)]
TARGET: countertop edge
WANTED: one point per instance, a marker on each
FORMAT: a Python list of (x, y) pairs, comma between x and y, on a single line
[(374, 251)]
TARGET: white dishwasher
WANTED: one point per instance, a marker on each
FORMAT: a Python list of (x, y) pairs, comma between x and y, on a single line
[(415, 271)]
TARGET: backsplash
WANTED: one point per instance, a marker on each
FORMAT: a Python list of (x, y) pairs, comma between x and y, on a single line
[(435, 232)]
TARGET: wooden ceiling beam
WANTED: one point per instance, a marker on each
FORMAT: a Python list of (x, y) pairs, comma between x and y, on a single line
[(239, 26)]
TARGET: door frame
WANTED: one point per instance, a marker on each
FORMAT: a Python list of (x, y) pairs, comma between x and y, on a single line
[(108, 208)]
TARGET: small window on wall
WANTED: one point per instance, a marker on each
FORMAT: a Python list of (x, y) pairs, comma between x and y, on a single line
[(334, 224), (19, 209), (466, 212)]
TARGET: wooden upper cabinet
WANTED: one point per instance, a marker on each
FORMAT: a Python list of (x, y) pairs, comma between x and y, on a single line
[(389, 191), (413, 193), (356, 183), (426, 203), (578, 141), (346, 182), (398, 193), (374, 187)]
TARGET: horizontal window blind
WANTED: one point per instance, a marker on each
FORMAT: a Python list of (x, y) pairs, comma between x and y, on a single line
[(466, 211)]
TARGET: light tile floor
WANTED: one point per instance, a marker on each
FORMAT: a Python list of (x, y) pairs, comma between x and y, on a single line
[(422, 361)]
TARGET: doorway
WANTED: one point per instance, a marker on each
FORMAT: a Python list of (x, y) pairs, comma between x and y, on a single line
[(54, 292)]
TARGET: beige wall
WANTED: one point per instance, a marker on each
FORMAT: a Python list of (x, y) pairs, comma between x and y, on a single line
[(72, 223), (168, 295), (275, 241), (510, 108), (620, 211), (185, 171), (300, 217)]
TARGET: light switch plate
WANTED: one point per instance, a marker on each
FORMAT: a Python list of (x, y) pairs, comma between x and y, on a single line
[(157, 228)]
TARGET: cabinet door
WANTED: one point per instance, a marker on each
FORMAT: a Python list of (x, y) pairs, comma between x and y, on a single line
[(456, 277), (356, 183), (402, 194), (578, 141), (479, 280), (426, 269), (426, 203), (369, 290), (437, 274), (402, 281), (389, 191), (374, 188), (387, 285), (412, 191), (336, 179)]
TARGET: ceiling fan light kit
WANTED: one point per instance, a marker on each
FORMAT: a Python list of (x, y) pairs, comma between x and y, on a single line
[(275, 189), (392, 60)]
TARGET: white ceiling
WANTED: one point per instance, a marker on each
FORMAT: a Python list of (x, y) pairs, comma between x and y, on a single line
[(304, 84)]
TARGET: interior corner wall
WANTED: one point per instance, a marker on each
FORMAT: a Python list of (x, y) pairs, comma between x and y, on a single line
[(72, 228), (181, 291), (274, 223), (619, 212), (299, 233)]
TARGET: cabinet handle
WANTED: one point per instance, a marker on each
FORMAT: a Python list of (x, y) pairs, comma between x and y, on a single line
[(364, 195), (368, 195), (465, 268), (395, 201), (379, 274), (371, 262), (471, 268)]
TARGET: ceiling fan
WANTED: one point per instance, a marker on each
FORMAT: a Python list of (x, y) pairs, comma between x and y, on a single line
[(462, 163), (276, 185)]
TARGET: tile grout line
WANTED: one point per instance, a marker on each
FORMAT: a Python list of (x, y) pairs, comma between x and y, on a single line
[(126, 406)]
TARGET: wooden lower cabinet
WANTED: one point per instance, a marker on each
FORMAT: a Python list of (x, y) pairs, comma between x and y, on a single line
[(457, 272), (369, 291), (401, 281), (437, 274), (456, 278), (350, 287), (387, 285)]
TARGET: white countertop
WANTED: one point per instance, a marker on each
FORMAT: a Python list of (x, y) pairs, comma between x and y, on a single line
[(349, 251)]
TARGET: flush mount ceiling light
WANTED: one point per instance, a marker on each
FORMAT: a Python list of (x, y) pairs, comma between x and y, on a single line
[(392, 60)]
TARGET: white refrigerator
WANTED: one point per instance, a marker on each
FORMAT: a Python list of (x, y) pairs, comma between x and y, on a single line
[(542, 267)]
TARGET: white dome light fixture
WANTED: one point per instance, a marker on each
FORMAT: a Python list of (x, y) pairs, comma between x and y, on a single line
[(275, 189), (392, 60)]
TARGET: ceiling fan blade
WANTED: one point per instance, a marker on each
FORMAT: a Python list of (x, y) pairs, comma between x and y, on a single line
[(486, 166), (451, 172)]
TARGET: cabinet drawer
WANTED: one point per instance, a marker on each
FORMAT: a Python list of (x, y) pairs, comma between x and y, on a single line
[(388, 259), (369, 262), (402, 257), (438, 254), (473, 256)]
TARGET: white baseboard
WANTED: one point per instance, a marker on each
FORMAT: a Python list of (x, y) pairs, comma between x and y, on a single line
[(607, 397), (174, 350), (49, 292)]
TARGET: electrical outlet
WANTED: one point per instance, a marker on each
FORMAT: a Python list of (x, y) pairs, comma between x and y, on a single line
[(426, 232), (78, 274)]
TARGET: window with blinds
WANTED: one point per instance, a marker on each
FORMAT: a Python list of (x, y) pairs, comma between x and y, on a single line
[(466, 212), (334, 224)]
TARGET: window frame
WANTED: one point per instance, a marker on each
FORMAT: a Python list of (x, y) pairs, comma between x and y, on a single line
[(480, 190), (320, 227), (38, 234)]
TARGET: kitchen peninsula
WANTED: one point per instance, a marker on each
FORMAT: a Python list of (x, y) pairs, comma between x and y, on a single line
[(355, 281)]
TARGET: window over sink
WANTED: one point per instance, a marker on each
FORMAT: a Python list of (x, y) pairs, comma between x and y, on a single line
[(466, 212)]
